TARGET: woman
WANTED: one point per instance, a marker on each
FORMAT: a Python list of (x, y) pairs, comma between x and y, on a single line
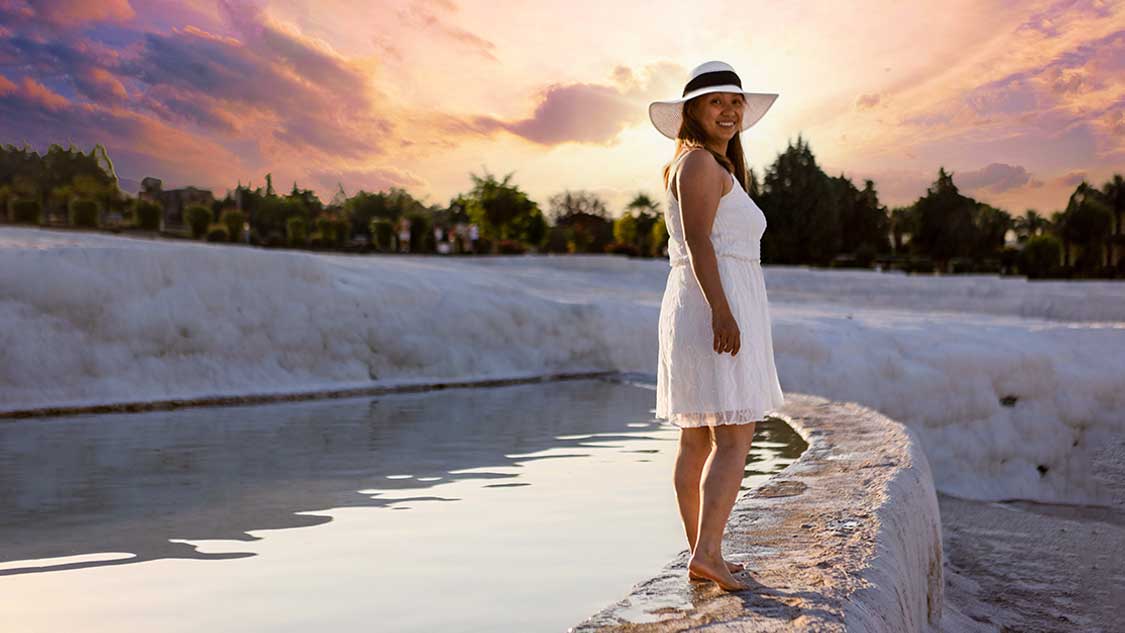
[(716, 374)]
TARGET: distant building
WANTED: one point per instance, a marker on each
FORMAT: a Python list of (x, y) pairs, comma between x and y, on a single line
[(174, 201)]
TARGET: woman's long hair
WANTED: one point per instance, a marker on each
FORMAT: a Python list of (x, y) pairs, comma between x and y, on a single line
[(692, 135)]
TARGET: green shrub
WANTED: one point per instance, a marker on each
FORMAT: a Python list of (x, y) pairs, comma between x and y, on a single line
[(659, 237), (234, 220), (146, 214), (296, 231), (511, 247), (218, 233), (865, 255), (26, 211), (318, 241), (622, 248), (556, 240), (381, 233), (919, 265), (1041, 256), (326, 227), (83, 213), (198, 218), (343, 231)]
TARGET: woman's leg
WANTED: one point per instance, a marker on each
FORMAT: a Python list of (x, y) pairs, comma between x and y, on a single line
[(695, 446), (722, 478)]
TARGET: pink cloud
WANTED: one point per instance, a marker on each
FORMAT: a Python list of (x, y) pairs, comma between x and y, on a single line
[(68, 13), (42, 95), (582, 113), (100, 84), (139, 144), (419, 15), (1070, 179)]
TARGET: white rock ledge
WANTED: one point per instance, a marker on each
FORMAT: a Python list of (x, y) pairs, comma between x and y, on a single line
[(847, 538)]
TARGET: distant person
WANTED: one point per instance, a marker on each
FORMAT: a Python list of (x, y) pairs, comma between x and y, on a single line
[(474, 236), (459, 231), (403, 235), (714, 301), (440, 243)]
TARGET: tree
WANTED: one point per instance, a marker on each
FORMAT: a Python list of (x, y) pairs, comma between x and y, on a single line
[(503, 211), (753, 187), (659, 239), (233, 219), (1113, 192), (584, 216), (904, 224), (646, 213), (388, 205), (146, 215), (574, 203), (992, 226), (198, 218), (1040, 256), (1089, 219), (797, 200), (1029, 225), (625, 229), (864, 223), (945, 222)]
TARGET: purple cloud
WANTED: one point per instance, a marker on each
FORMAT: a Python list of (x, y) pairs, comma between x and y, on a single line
[(995, 176)]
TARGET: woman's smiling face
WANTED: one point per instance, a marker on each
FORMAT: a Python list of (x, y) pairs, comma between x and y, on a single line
[(721, 114)]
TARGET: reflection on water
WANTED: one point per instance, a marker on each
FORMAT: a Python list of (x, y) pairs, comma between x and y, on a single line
[(556, 491)]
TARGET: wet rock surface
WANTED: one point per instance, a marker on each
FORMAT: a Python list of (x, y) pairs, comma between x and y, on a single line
[(846, 538)]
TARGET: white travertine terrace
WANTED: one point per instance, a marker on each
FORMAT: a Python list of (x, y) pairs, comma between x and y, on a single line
[(847, 538)]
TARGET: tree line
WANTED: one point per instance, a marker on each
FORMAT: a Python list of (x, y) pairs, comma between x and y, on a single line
[(814, 219)]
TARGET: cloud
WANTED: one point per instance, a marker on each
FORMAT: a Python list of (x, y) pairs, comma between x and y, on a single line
[(261, 88), (42, 96), (67, 13), (994, 176), (140, 144), (1071, 178), (296, 89), (421, 16), (580, 112), (179, 107), (101, 85), (867, 101), (367, 179)]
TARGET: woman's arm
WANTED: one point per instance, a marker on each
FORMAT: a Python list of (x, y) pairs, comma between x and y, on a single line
[(699, 185)]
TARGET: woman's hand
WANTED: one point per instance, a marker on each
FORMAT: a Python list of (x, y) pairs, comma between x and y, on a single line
[(727, 336)]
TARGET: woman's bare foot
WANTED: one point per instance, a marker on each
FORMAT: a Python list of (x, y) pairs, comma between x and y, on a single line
[(733, 567), (716, 571)]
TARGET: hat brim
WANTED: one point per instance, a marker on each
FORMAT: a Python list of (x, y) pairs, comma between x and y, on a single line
[(667, 116)]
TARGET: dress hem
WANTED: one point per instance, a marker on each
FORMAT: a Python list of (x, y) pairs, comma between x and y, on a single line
[(718, 418)]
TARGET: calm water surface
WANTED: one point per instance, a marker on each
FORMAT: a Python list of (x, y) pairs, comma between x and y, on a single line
[(517, 508)]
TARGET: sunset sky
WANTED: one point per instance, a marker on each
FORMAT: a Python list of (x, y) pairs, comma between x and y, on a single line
[(1020, 100)]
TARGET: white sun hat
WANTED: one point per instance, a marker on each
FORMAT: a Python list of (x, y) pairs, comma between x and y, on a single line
[(706, 78)]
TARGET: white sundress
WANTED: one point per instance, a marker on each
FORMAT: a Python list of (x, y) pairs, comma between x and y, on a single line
[(695, 386)]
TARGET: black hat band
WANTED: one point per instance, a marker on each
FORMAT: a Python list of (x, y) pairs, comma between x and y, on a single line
[(714, 78)]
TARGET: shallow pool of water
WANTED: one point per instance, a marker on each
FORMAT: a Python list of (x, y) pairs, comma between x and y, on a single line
[(515, 508)]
